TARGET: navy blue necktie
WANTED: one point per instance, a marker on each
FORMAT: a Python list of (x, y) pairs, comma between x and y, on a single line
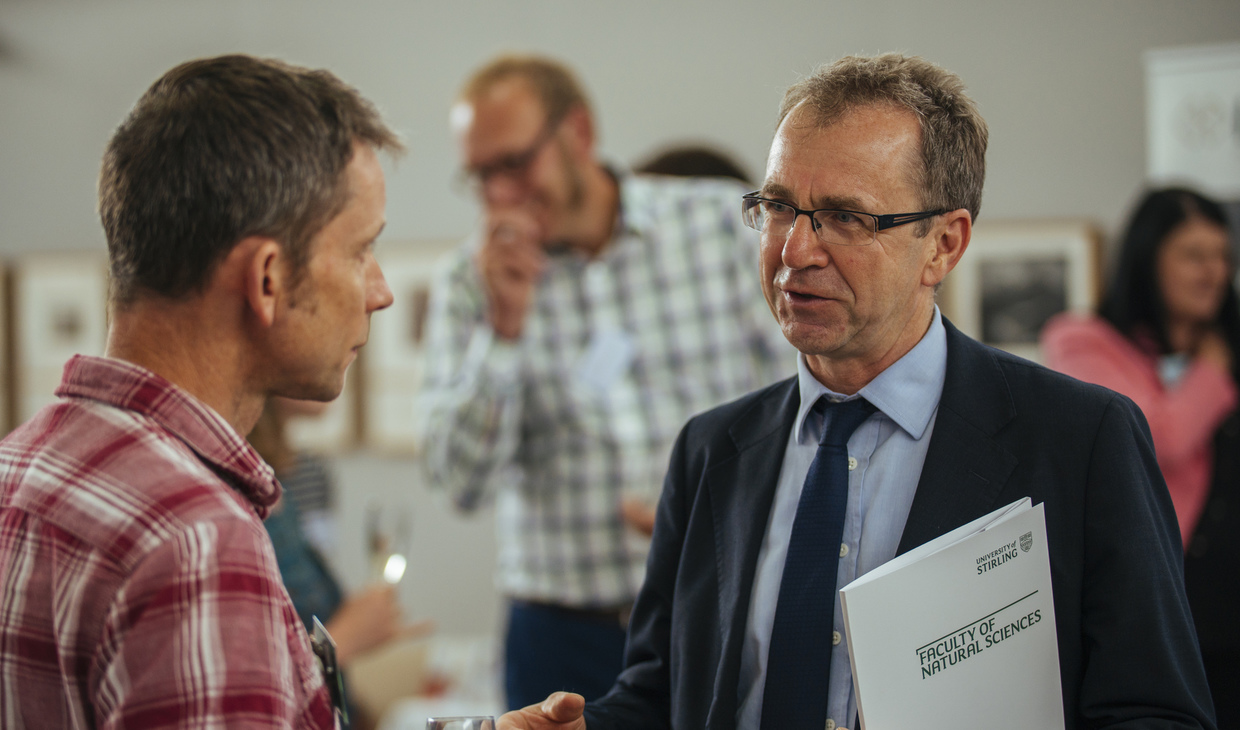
[(798, 667)]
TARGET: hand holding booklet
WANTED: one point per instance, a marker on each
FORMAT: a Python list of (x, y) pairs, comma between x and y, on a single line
[(959, 632)]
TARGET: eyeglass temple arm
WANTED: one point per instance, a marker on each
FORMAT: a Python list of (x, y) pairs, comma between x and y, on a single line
[(898, 219)]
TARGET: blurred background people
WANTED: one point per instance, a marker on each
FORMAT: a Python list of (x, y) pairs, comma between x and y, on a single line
[(693, 160), (567, 343), (363, 622), (685, 160), (1166, 335)]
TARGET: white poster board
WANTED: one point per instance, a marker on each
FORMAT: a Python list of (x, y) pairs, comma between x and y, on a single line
[(1193, 118)]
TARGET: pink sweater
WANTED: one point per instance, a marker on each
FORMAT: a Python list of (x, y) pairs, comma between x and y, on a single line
[(1182, 420)]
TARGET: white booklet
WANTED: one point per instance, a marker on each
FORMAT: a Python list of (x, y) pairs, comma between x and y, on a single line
[(959, 632)]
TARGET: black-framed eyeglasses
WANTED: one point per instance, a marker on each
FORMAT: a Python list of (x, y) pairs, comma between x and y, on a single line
[(510, 165), (841, 227)]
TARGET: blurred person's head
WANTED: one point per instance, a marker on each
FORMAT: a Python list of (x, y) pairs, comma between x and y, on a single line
[(951, 167), (693, 160), (1174, 269), (527, 137)]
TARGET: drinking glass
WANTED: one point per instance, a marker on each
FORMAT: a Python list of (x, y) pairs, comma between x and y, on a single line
[(387, 536), (479, 722)]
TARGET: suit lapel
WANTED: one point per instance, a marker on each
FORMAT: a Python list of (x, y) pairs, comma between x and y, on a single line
[(965, 467), (741, 489)]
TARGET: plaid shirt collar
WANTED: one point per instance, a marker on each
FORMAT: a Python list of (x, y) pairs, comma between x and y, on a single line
[(632, 219), (125, 385), (637, 207), (636, 218)]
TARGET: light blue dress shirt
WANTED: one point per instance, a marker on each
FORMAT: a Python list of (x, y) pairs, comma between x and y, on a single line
[(889, 449)]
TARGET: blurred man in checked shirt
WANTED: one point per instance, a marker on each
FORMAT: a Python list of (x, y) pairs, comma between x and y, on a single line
[(241, 199), (567, 343)]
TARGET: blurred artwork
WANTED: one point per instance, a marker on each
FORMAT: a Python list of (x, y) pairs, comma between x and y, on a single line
[(394, 355), (332, 427), (1193, 117), (1016, 275), (60, 310), (1020, 295)]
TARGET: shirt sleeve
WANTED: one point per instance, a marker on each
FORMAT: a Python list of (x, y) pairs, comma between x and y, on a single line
[(203, 634), (470, 398)]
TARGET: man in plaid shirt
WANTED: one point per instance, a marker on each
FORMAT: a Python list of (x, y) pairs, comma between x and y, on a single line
[(567, 345), (241, 199)]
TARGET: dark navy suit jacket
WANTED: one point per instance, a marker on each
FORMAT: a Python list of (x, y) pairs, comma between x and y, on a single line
[(1006, 429)]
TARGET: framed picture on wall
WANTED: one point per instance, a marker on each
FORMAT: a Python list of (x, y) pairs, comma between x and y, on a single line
[(1017, 275), (59, 310), (393, 357), (1193, 117), (329, 428)]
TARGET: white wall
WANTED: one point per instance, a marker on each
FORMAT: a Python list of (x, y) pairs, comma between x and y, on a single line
[(1060, 82)]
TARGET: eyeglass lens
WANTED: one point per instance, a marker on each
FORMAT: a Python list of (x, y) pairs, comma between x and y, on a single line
[(509, 166), (840, 227)]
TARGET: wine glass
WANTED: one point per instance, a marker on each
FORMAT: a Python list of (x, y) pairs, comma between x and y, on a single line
[(478, 722), (388, 532)]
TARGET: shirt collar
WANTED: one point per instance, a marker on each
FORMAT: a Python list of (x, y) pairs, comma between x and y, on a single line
[(907, 392), (637, 204), (633, 217), (126, 385)]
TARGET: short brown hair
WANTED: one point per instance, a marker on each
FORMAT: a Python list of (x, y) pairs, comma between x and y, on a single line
[(554, 83), (223, 148), (953, 133)]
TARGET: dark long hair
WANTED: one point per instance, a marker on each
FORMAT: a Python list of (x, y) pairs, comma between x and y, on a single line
[(1133, 303)]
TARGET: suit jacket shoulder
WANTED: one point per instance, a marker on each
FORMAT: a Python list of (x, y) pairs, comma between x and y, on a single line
[(1008, 428)]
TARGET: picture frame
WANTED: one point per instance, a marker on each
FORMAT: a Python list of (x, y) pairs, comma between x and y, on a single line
[(393, 358), (1016, 275), (1193, 117), (59, 310), (337, 427)]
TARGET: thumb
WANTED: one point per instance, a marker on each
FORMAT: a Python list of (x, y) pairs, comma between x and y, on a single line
[(563, 706)]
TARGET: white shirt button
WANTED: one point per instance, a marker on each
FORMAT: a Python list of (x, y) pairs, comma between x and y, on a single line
[(852, 463), (835, 638), (843, 549), (830, 724)]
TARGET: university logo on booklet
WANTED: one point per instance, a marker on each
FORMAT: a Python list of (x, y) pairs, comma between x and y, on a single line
[(1026, 542)]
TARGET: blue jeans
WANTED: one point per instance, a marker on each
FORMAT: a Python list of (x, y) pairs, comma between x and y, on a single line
[(548, 649)]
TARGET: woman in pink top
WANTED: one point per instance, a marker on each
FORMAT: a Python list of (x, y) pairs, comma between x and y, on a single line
[(1166, 335)]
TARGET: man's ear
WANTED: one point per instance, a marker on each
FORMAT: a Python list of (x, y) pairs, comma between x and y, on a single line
[(265, 276), (580, 126), (951, 238)]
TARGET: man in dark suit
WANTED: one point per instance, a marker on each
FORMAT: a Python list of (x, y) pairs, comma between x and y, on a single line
[(958, 430)]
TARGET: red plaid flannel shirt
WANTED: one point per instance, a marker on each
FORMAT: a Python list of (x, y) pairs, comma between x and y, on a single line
[(137, 585)]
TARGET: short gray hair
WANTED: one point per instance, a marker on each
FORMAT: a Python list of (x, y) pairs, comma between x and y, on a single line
[(953, 133)]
